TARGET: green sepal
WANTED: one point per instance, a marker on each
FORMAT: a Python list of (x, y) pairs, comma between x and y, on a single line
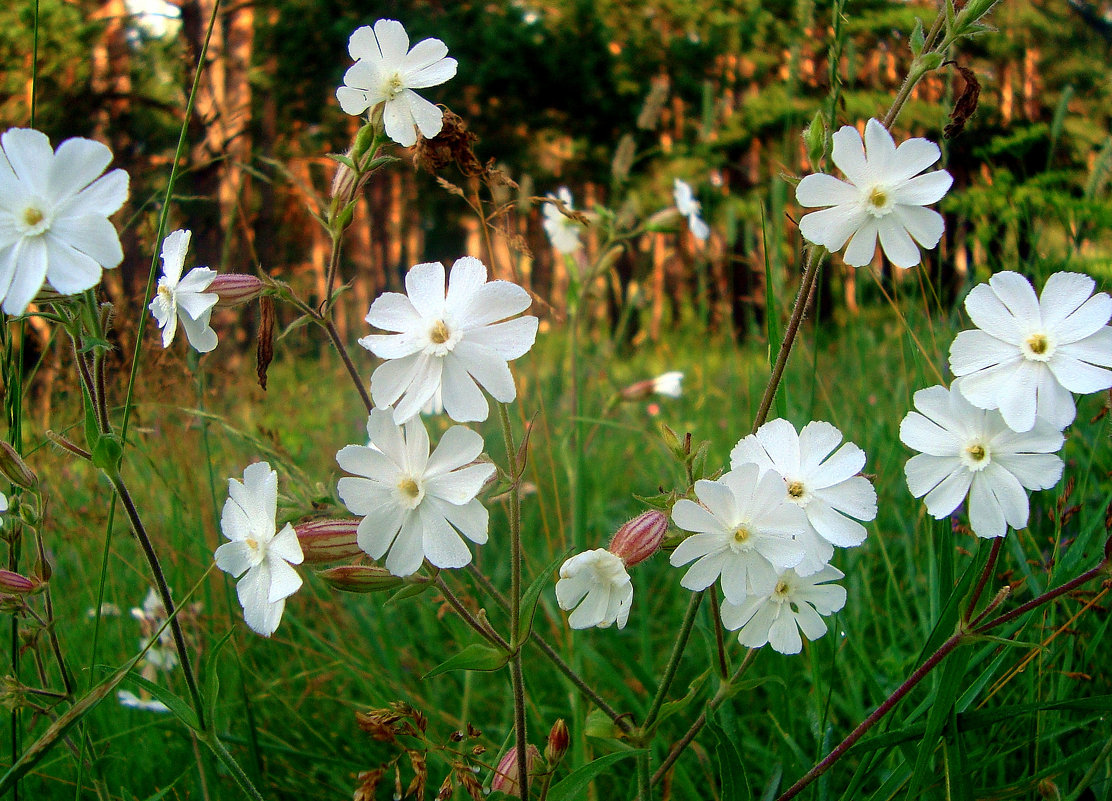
[(474, 657)]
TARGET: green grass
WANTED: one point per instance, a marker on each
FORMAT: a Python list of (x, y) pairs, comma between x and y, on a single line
[(287, 705)]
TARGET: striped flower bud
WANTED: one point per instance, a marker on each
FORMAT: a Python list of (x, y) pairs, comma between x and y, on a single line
[(328, 540), (14, 468), (361, 578), (505, 775), (640, 538), (16, 584), (235, 289), (558, 741)]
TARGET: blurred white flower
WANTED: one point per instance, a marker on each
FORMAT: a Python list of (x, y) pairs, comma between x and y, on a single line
[(3, 502), (563, 232), (184, 299), (262, 556), (885, 197), (669, 384), (387, 71), (448, 342), (1027, 353), (596, 585), (151, 616), (795, 604), (54, 209), (415, 506), (689, 207), (129, 699), (823, 482), (971, 451), (745, 533)]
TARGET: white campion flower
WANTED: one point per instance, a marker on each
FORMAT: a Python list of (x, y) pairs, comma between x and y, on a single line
[(796, 604), (669, 384), (1027, 353), (823, 482), (745, 531), (563, 232), (387, 71), (885, 197), (184, 299), (132, 701), (449, 342), (54, 210), (596, 585), (262, 556), (689, 207), (971, 451), (3, 502), (415, 506)]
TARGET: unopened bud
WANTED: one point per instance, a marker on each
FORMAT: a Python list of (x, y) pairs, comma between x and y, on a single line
[(558, 742), (623, 158), (664, 221), (16, 584), (814, 139), (235, 289), (328, 540), (505, 775), (361, 578), (14, 468), (640, 538)]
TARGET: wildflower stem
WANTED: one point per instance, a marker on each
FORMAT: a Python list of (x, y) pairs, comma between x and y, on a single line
[(334, 335), (1046, 597), (719, 640), (644, 783), (701, 721), (225, 757), (917, 71), (485, 631), (164, 593), (673, 661), (990, 565), (621, 720)]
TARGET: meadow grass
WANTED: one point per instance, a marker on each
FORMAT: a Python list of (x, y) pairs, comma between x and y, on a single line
[(1028, 721)]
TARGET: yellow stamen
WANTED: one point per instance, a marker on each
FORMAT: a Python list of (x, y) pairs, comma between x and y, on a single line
[(796, 489), (439, 333), (409, 487)]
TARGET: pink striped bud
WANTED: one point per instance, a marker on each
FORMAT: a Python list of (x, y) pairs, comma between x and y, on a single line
[(361, 578), (505, 775), (328, 540), (558, 741), (640, 538), (15, 584), (235, 289), (14, 468)]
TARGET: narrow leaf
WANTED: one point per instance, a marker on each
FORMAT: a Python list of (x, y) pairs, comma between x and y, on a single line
[(474, 657), (574, 787)]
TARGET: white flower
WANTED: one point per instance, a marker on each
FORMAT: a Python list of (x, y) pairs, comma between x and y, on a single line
[(669, 384), (599, 580), (263, 557), (184, 299), (563, 231), (54, 209), (3, 502), (387, 71), (745, 533), (415, 505), (151, 616), (795, 604), (1028, 353), (448, 342), (822, 482), (689, 207), (885, 197), (129, 699), (966, 450)]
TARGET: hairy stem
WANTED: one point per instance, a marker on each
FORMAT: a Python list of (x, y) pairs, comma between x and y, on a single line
[(673, 660), (334, 335), (484, 630)]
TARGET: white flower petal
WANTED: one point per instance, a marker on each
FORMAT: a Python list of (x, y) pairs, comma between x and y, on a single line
[(926, 226), (862, 247), (912, 157), (819, 189), (924, 189), (897, 243), (849, 154)]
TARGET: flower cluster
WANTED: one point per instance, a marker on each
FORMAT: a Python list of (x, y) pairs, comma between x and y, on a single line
[(996, 431)]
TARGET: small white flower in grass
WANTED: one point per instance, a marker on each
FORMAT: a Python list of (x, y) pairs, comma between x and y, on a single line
[(262, 556), (151, 615), (184, 299), (971, 451), (689, 207), (745, 533), (885, 197), (669, 384), (563, 232), (1027, 353), (132, 701), (596, 585), (3, 502), (415, 506), (54, 209), (823, 482), (387, 71), (795, 604), (449, 342)]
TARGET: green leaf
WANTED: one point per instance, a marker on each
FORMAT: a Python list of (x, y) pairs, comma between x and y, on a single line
[(732, 780), (532, 595), (680, 704), (474, 657), (175, 703), (949, 688), (212, 676), (574, 787)]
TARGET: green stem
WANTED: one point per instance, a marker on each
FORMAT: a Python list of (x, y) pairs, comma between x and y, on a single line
[(484, 631), (229, 761), (334, 335), (644, 782), (673, 661)]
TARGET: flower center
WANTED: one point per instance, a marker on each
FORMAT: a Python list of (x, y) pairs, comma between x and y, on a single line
[(439, 333), (35, 220), (411, 492), (976, 456), (797, 492), (1038, 347), (252, 543), (877, 202), (782, 588), (394, 86), (442, 338), (742, 538)]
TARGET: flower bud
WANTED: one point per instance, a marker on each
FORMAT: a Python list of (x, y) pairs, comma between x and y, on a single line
[(640, 538), (14, 468), (16, 584), (558, 742), (665, 221), (328, 540), (361, 578), (235, 289), (505, 775)]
